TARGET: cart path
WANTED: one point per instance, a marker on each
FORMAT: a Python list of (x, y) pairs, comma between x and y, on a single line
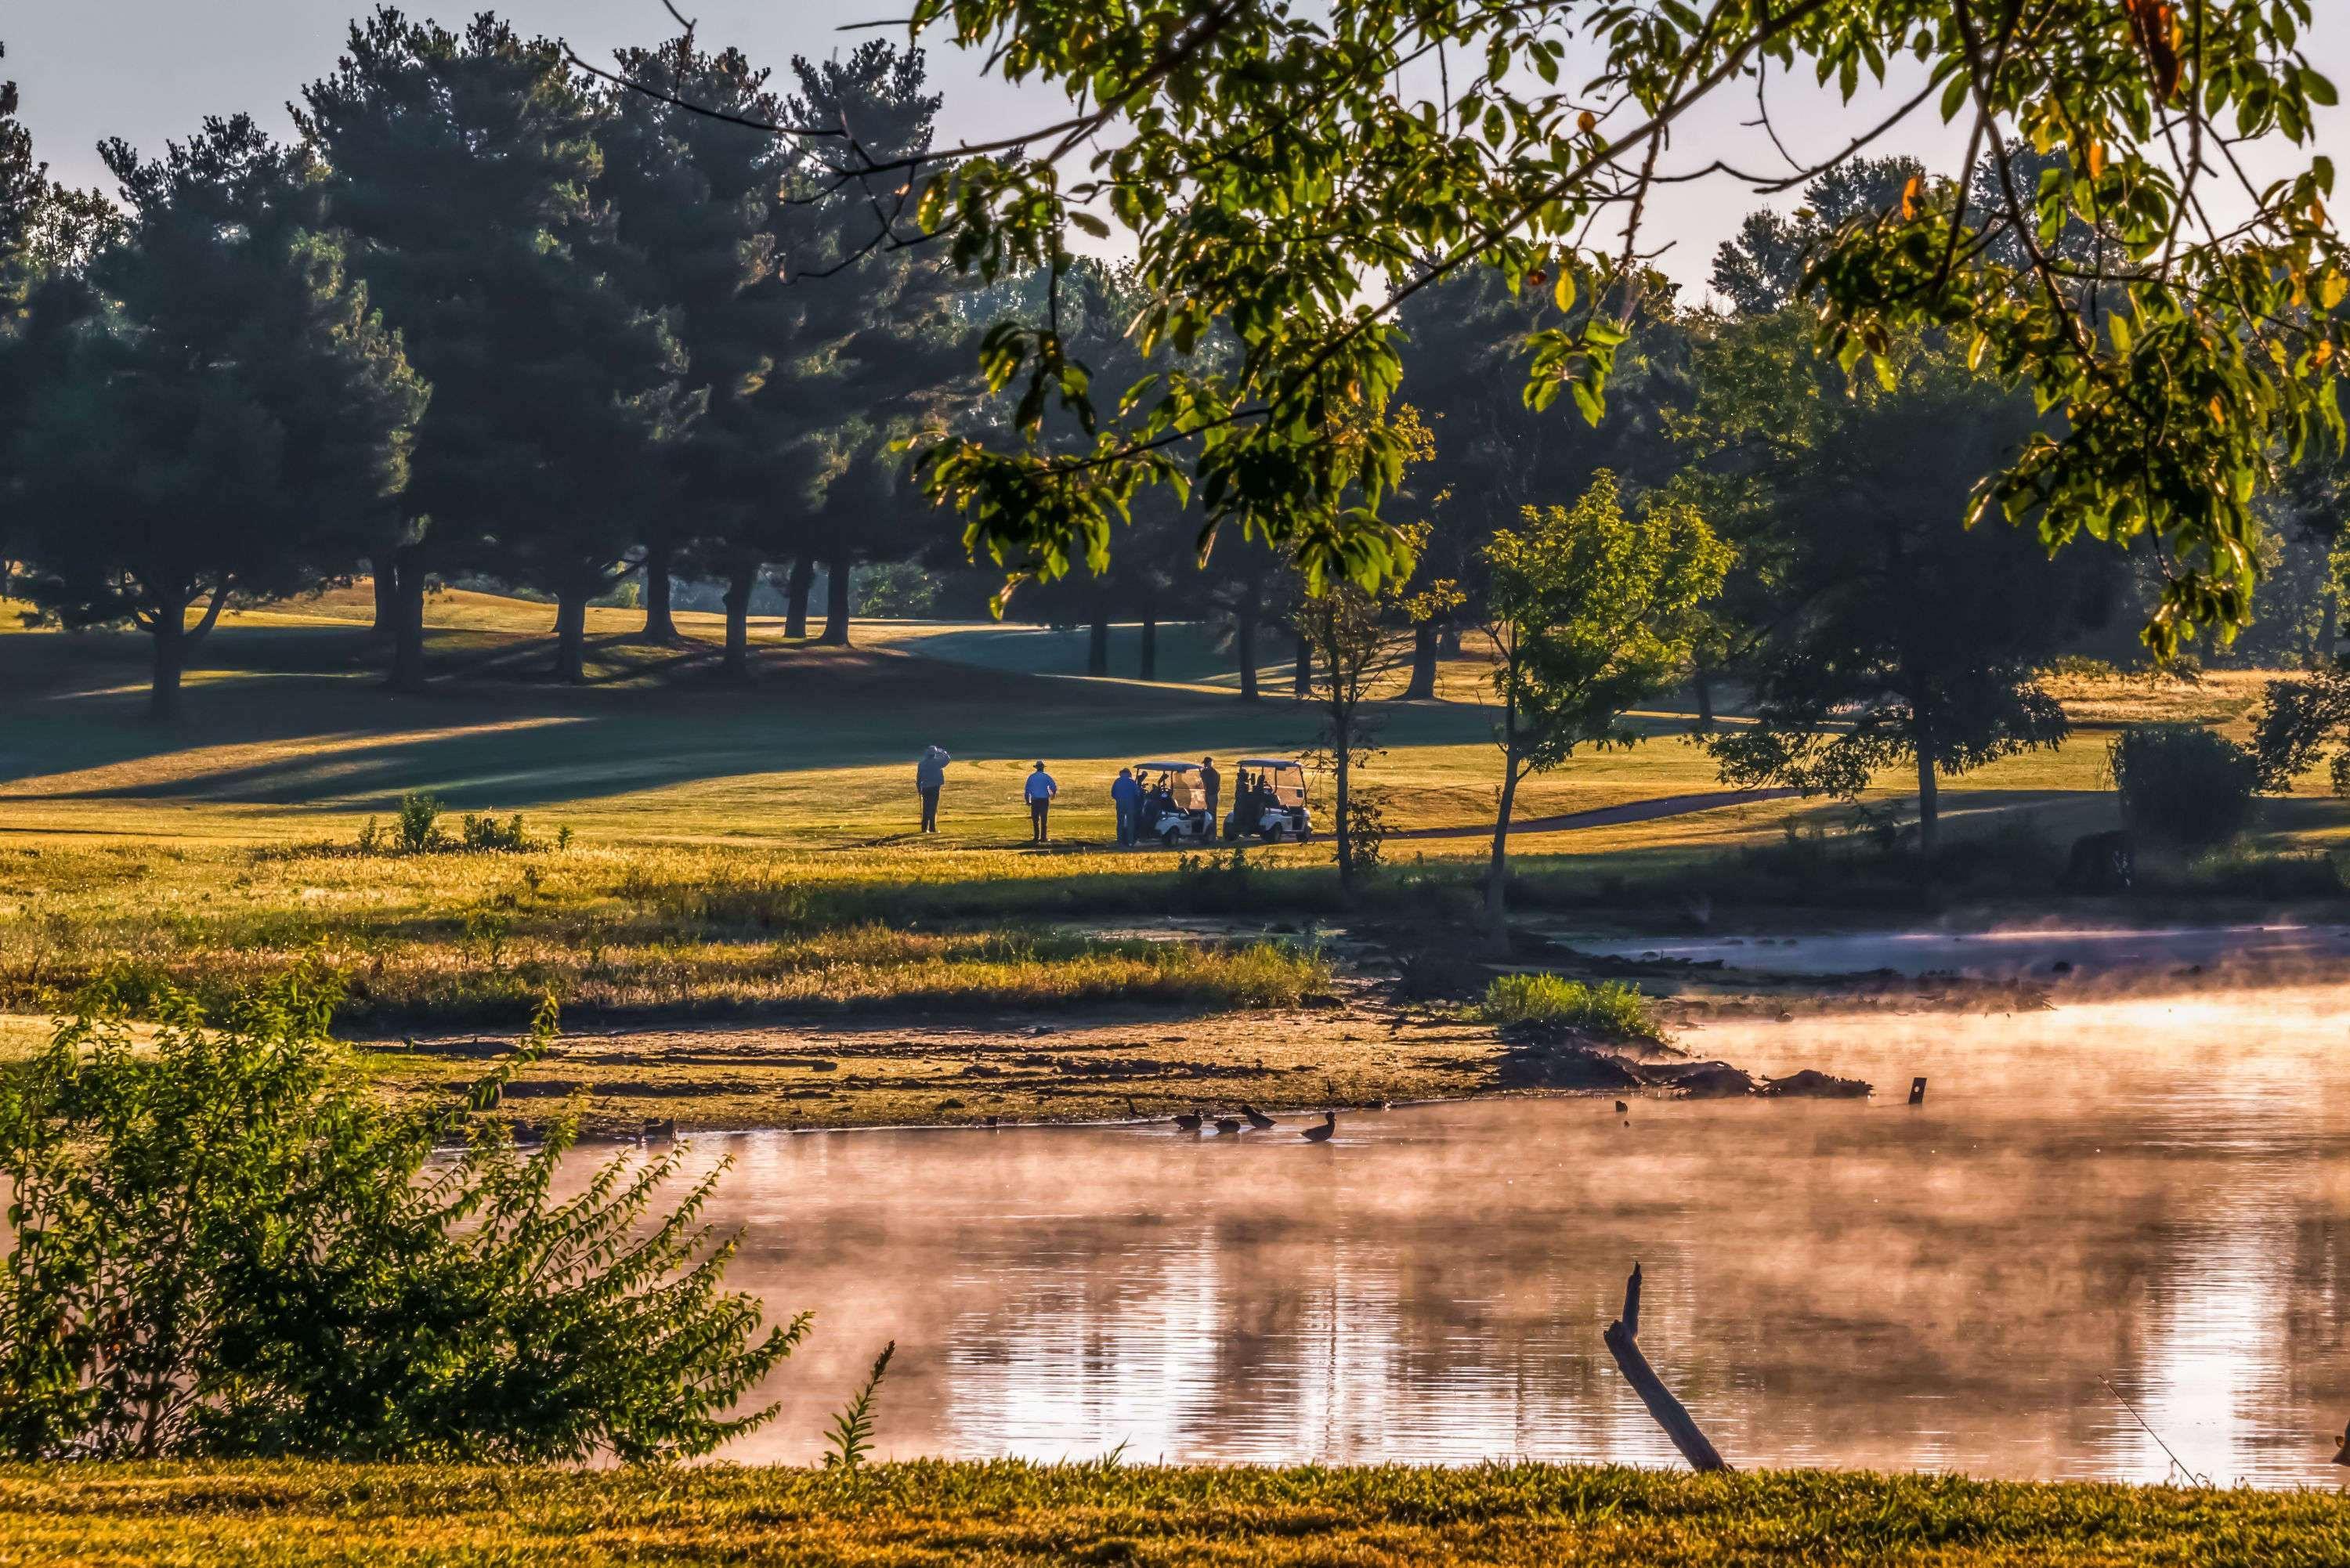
[(1610, 816)]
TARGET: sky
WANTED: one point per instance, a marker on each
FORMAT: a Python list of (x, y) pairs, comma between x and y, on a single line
[(149, 70)]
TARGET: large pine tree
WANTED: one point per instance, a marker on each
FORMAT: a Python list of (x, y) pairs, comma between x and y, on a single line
[(466, 168), (220, 411)]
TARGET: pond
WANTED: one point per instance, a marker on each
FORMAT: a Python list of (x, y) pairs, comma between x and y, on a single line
[(2145, 1200), (2006, 953)]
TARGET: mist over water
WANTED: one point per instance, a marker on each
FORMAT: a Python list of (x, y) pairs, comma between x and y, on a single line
[(2152, 1192)]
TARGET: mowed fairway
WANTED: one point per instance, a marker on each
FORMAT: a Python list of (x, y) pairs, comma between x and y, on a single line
[(290, 735)]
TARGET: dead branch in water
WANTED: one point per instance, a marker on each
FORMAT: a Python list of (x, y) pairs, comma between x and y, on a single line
[(1623, 1337)]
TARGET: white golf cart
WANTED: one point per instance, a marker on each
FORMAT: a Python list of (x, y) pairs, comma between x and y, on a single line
[(1268, 801), (1174, 808)]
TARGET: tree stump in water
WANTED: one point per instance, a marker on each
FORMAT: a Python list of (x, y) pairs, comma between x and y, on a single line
[(1623, 1338)]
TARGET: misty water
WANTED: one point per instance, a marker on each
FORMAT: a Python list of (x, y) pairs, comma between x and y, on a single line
[(2154, 1193)]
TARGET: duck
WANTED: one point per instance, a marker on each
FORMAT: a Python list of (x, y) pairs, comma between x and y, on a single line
[(1257, 1118), (1191, 1121), (654, 1131), (1322, 1133), (1622, 1109), (1228, 1125)]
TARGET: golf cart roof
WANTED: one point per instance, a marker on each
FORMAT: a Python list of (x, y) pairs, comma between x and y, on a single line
[(1167, 767), (1269, 763)]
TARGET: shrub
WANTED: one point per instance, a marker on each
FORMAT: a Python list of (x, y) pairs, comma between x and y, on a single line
[(488, 832), (1611, 1009), (226, 1243), (418, 827), (2183, 784), (2082, 667), (1366, 825)]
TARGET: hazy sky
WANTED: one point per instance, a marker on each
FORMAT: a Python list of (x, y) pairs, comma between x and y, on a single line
[(150, 69)]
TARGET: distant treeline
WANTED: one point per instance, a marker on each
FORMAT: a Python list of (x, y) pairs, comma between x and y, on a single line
[(494, 318)]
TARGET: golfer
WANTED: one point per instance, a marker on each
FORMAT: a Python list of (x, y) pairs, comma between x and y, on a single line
[(1040, 791)]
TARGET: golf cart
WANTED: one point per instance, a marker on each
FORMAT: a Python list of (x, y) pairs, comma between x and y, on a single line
[(1174, 804), (1269, 801)]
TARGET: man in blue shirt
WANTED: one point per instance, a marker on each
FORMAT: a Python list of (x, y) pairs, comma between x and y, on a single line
[(1040, 791), (1126, 794)]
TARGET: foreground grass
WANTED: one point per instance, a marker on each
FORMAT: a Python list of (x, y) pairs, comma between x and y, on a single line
[(293, 1516)]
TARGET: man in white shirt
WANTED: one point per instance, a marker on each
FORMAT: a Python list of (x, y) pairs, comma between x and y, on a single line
[(1041, 789)]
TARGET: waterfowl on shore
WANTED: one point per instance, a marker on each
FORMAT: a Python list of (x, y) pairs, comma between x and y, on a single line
[(664, 1129), (1322, 1134), (1191, 1121), (1257, 1118), (1622, 1109), (1228, 1125)]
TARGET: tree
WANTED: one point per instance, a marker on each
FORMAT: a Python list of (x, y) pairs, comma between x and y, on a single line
[(464, 169), (1763, 269), (1272, 160), (223, 414), (696, 197), (225, 1243), (1894, 635), (1356, 638), (2302, 721), (46, 231), (1591, 611), (1492, 455), (884, 317)]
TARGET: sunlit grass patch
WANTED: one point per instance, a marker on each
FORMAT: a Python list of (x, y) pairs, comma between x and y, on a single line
[(492, 965), (297, 1516), (1611, 1009)]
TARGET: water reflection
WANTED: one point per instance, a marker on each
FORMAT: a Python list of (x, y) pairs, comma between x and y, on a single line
[(2153, 1192)]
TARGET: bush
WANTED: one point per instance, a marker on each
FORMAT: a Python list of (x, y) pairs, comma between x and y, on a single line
[(1611, 1009), (226, 1243), (489, 833), (418, 827), (2183, 784), (1367, 826)]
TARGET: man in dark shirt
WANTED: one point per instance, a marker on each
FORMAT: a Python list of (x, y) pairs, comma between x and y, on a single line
[(1213, 782)]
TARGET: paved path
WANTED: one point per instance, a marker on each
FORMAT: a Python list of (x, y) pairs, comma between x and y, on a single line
[(1610, 816)]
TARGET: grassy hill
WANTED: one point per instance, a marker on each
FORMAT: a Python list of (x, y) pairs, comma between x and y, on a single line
[(289, 733)]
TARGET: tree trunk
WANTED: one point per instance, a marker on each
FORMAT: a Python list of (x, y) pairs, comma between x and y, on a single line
[(1245, 648), (738, 621), (2329, 633), (1098, 645), (407, 623), (1150, 646), (1929, 804), (386, 593), (1424, 664), (1497, 873), (796, 596), (659, 625), (1622, 1338), (1342, 733), (571, 636), (836, 603), (171, 632), (1301, 679), (1701, 690)]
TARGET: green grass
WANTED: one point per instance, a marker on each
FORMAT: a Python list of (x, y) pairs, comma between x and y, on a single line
[(297, 1516), (489, 965), (714, 825), (1611, 1009)]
